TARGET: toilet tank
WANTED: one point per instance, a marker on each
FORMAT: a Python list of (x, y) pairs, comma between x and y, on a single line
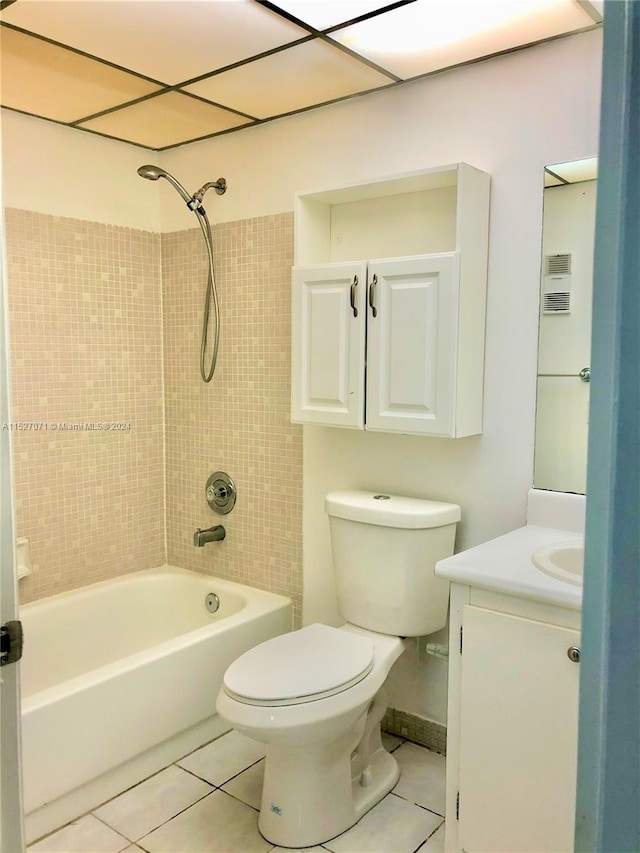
[(385, 548)]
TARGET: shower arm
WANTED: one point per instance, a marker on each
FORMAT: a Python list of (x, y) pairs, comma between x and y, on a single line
[(195, 201)]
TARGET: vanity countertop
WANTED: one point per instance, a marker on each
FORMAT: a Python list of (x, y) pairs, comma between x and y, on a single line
[(504, 565)]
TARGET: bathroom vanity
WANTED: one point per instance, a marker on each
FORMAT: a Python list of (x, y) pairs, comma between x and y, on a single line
[(513, 688)]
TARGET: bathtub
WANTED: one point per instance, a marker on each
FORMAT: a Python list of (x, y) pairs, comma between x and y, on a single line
[(119, 679)]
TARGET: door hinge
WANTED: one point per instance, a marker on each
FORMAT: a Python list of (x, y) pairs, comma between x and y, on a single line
[(11, 642), (460, 639), (458, 806)]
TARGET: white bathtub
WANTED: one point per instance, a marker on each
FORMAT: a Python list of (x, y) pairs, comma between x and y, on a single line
[(120, 679)]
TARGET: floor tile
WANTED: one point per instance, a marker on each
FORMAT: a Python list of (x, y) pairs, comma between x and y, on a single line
[(219, 761), (393, 826), (153, 802), (217, 824), (435, 844), (133, 849), (390, 742), (422, 776), (247, 786), (86, 835)]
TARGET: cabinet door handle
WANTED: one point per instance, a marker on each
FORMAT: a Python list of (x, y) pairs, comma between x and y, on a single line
[(573, 653), (352, 297), (372, 291)]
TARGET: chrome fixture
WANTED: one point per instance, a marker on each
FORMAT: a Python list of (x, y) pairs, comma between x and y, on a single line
[(585, 374), (211, 534), (573, 653), (221, 493), (194, 203), (212, 602)]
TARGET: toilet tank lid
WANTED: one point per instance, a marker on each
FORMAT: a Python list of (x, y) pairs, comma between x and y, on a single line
[(388, 510)]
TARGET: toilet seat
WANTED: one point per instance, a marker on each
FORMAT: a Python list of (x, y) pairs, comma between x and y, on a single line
[(303, 666)]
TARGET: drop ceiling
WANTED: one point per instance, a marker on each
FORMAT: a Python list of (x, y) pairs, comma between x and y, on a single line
[(162, 73)]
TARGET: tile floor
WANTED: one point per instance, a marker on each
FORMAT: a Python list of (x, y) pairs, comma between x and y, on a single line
[(209, 802)]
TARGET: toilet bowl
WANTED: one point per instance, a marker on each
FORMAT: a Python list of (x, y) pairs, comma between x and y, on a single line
[(325, 763), (316, 696)]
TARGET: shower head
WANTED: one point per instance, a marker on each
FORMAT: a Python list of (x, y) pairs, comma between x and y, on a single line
[(153, 173)]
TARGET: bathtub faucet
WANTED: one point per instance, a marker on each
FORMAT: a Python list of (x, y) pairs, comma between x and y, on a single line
[(212, 534)]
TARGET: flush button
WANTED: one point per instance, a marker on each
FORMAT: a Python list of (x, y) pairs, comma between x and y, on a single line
[(382, 497)]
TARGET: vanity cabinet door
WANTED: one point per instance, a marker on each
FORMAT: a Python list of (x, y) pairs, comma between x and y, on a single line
[(518, 735), (411, 344), (328, 340)]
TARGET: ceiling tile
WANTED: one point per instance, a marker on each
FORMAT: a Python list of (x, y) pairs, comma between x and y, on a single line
[(322, 14), (49, 81), (291, 79), (170, 41), (169, 119), (431, 34)]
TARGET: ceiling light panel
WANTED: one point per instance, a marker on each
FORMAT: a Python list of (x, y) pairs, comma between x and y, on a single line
[(576, 170), (431, 34), (169, 41), (323, 14), (169, 119), (292, 79), (49, 81)]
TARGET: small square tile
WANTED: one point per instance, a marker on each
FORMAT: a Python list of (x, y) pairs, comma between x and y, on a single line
[(422, 776), (219, 761), (247, 786), (153, 802), (86, 835), (217, 824), (393, 825)]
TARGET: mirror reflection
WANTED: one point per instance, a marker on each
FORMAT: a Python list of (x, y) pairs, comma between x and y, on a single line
[(564, 348)]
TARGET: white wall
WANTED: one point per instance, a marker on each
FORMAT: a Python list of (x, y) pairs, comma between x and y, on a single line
[(57, 170), (508, 116)]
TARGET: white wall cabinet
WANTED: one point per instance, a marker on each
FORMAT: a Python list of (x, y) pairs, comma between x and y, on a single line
[(513, 725), (388, 304)]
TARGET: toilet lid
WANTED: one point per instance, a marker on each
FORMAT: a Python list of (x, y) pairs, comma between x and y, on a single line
[(302, 666)]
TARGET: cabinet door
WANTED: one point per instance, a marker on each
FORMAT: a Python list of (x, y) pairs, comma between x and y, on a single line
[(518, 735), (411, 344), (328, 336)]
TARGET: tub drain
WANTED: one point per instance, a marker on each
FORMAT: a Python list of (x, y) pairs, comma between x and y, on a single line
[(212, 602)]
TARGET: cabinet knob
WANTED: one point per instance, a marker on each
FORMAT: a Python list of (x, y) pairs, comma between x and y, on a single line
[(573, 653)]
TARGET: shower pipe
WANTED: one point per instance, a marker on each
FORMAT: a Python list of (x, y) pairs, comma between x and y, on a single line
[(194, 203)]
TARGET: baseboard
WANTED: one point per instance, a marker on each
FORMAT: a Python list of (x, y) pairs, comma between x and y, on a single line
[(416, 729)]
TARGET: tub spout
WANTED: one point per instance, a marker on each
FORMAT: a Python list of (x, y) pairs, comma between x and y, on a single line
[(212, 534)]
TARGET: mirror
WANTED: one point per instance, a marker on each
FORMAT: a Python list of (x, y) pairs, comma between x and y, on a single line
[(564, 341)]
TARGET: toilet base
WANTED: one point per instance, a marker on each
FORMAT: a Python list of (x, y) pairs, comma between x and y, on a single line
[(308, 820), (313, 793)]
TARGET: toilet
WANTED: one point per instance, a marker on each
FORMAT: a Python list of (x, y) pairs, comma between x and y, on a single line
[(316, 696)]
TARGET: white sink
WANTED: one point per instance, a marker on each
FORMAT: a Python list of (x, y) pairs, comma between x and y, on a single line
[(562, 560)]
